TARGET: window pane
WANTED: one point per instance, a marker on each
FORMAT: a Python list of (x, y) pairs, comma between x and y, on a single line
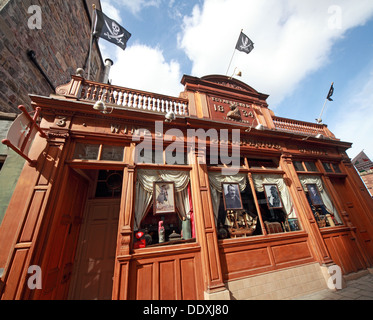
[(109, 184), (320, 202), (310, 166), (152, 230), (112, 153), (259, 163), (298, 166), (336, 168), (86, 151), (327, 167), (234, 223)]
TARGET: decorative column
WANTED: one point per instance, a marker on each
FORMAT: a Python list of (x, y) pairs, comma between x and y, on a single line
[(214, 287), (125, 232), (304, 211)]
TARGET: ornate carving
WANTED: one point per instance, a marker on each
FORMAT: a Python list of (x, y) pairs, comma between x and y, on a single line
[(58, 134), (61, 121), (115, 128), (313, 151), (260, 144), (234, 113)]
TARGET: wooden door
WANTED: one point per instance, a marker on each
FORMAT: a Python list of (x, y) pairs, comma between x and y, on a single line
[(355, 213), (94, 269), (62, 242)]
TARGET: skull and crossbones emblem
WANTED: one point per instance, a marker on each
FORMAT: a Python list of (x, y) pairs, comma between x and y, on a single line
[(114, 32), (246, 44)]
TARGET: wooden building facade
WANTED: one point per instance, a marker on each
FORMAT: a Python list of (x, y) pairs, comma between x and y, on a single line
[(136, 195)]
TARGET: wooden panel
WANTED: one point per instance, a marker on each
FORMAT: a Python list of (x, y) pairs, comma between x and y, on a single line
[(206, 208), (214, 272), (345, 252), (167, 280), (13, 278), (144, 286), (248, 256), (291, 252), (166, 275), (32, 216), (246, 260), (188, 279)]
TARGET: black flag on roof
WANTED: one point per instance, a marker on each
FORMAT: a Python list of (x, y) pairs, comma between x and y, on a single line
[(330, 94), (244, 43), (111, 31)]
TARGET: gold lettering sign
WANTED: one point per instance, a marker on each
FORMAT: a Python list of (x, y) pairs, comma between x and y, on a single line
[(227, 110)]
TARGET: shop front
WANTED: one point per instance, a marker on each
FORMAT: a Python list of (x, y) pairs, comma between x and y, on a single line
[(206, 196)]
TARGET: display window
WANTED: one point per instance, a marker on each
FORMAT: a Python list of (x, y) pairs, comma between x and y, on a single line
[(163, 213), (320, 202), (240, 206), (276, 207)]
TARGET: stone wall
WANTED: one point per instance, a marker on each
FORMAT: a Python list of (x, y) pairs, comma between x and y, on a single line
[(279, 285), (61, 46)]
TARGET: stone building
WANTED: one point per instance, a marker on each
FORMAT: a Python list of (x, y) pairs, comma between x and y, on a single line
[(364, 166), (42, 43)]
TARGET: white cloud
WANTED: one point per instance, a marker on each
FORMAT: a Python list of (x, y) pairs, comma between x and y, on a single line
[(144, 68), (292, 38), (135, 6), (354, 118), (140, 66), (111, 11)]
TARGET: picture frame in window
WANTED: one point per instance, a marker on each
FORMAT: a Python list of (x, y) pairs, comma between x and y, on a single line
[(273, 196), (164, 198), (314, 194), (232, 196)]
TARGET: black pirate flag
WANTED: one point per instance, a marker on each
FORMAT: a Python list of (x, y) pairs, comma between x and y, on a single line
[(111, 31), (244, 43)]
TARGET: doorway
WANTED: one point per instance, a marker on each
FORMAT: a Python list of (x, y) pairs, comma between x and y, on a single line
[(94, 269), (93, 273)]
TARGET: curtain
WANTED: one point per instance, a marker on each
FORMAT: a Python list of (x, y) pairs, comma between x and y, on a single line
[(324, 195), (260, 179), (143, 200), (216, 179), (147, 177), (144, 191)]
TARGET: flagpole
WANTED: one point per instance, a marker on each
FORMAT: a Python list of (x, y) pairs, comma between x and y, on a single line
[(91, 40), (319, 120), (232, 57)]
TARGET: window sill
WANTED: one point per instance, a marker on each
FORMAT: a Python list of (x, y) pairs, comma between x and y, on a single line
[(262, 238), (167, 248)]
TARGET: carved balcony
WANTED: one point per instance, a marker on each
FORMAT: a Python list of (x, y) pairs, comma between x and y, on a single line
[(121, 97), (302, 127)]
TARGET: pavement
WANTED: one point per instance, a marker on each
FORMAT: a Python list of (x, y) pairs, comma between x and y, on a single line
[(357, 289)]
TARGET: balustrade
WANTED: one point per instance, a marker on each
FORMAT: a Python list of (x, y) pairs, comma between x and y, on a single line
[(134, 99), (295, 126)]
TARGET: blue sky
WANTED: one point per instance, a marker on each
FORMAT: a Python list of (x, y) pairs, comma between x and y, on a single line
[(301, 46)]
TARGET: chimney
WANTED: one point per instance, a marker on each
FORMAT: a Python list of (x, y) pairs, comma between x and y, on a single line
[(108, 64)]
